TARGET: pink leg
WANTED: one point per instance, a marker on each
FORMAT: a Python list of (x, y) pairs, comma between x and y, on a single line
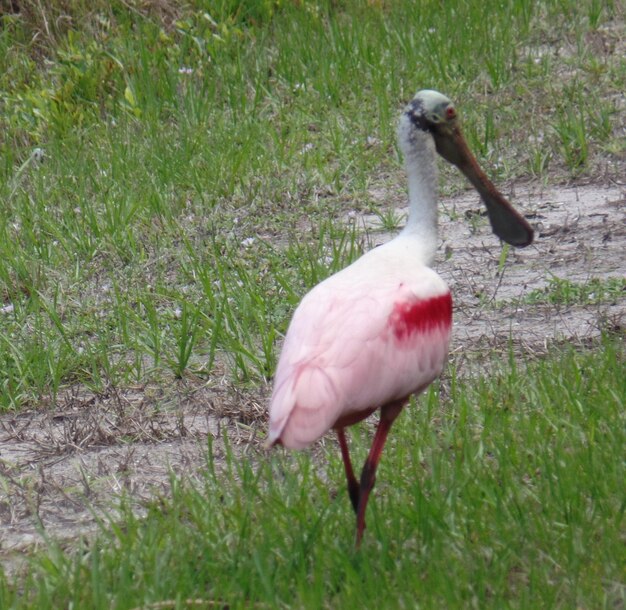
[(353, 486), (368, 476)]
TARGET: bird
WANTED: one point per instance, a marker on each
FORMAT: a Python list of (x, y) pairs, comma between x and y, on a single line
[(377, 332)]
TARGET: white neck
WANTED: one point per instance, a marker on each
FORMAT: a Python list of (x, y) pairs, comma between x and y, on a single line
[(421, 168)]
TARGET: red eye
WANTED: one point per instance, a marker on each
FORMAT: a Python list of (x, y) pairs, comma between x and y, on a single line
[(450, 112)]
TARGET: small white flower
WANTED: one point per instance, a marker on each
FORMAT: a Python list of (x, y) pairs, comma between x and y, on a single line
[(247, 242), (185, 70), (178, 312)]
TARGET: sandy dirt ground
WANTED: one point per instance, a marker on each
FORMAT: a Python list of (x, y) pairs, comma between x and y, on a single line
[(61, 466)]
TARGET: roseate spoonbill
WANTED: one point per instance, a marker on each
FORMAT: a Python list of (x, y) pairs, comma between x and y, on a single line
[(377, 332)]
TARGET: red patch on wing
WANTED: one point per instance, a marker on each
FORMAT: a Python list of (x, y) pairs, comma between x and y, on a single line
[(421, 315)]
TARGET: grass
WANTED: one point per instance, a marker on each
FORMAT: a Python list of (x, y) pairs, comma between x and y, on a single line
[(495, 492), (171, 183), (561, 291), (177, 145)]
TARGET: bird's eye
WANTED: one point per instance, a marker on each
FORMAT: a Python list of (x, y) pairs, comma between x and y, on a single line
[(450, 112)]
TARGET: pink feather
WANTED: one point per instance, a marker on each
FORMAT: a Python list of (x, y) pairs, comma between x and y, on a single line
[(374, 333)]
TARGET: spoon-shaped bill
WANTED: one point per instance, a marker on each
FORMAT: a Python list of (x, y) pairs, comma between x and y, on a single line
[(507, 223)]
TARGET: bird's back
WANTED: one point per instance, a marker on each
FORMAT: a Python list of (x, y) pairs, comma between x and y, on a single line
[(374, 333)]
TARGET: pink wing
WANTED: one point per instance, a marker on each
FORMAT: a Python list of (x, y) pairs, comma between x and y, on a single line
[(355, 344)]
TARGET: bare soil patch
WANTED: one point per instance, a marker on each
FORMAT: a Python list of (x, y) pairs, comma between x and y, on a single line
[(63, 468), (580, 235), (60, 467)]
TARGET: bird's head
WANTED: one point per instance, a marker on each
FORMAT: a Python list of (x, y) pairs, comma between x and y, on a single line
[(432, 112)]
